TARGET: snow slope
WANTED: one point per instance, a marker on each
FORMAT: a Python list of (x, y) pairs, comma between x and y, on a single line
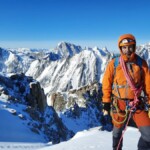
[(18, 136), (10, 123), (94, 139)]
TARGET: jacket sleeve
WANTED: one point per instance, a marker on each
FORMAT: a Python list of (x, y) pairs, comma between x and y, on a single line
[(107, 82), (146, 77)]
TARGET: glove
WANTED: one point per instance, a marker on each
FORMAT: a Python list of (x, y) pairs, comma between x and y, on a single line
[(105, 112), (106, 120), (106, 109)]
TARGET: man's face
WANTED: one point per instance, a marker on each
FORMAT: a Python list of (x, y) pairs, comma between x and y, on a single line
[(127, 50)]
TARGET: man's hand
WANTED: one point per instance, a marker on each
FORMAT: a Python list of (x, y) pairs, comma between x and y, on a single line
[(106, 108), (105, 112), (106, 120)]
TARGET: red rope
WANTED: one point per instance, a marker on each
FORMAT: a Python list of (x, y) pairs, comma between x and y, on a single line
[(124, 130), (137, 92), (131, 83)]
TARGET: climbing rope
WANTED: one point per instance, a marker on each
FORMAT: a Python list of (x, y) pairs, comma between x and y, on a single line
[(137, 91), (124, 130), (119, 114)]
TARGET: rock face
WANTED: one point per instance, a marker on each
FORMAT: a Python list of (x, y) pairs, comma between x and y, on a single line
[(81, 107), (23, 89), (61, 101), (57, 101), (38, 98), (26, 99)]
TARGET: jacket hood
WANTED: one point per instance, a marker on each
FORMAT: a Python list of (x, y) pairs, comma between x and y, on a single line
[(132, 42)]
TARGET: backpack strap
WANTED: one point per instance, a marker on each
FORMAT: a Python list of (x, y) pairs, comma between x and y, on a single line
[(116, 63), (139, 61)]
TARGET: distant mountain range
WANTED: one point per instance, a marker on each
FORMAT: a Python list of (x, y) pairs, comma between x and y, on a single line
[(70, 77), (66, 67)]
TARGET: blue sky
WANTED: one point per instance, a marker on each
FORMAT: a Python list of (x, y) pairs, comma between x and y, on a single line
[(44, 23)]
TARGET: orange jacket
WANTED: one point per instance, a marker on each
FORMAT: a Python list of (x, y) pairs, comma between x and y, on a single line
[(109, 79)]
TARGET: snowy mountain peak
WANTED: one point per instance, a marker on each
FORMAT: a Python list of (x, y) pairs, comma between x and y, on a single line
[(105, 49), (95, 48), (102, 52), (65, 49), (62, 43)]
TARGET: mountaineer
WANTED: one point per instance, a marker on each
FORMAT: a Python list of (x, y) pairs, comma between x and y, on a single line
[(126, 93)]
